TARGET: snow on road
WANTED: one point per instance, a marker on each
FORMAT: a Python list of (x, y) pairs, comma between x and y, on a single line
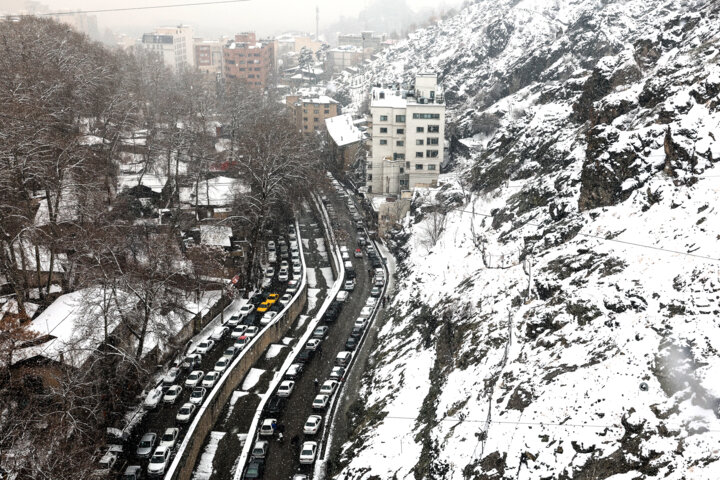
[(328, 274), (287, 340), (205, 465), (274, 350), (301, 321), (252, 378), (321, 248), (306, 243), (312, 298)]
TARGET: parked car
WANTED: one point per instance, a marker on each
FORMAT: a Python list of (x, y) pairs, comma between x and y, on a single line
[(231, 352), (198, 395), (371, 301), (159, 461), (264, 307), (152, 400), (379, 282), (337, 374), (271, 245), (320, 402), (275, 405), (313, 344), (351, 343), (331, 314), (366, 311), (300, 476), (349, 285), (251, 332), (238, 331), (169, 438), (342, 295), (219, 333), (146, 445), (328, 387), (294, 371), (285, 299), (205, 346), (356, 332), (268, 318), (285, 389), (191, 362), (233, 321), (283, 274), (255, 469), (266, 428), (304, 356), (185, 413), (343, 358), (297, 267), (260, 449), (132, 472), (312, 424), (245, 309), (210, 379), (269, 272), (194, 378), (171, 376), (360, 322), (358, 253), (292, 287), (320, 332), (241, 342), (345, 256), (375, 292), (172, 394), (307, 453), (222, 364)]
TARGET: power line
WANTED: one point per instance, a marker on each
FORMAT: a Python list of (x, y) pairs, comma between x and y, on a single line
[(125, 9)]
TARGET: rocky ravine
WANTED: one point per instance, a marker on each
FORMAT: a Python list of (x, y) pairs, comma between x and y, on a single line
[(585, 144)]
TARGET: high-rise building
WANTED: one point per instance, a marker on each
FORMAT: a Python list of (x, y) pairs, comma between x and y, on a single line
[(174, 44), (250, 60), (408, 131)]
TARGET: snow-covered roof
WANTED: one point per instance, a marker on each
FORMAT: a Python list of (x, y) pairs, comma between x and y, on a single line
[(390, 98), (218, 235), (342, 130), (324, 99), (154, 182), (218, 191)]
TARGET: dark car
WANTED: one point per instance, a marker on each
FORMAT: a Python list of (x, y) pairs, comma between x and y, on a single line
[(274, 406), (351, 344), (376, 263), (255, 469), (304, 356), (331, 313), (249, 319), (356, 332)]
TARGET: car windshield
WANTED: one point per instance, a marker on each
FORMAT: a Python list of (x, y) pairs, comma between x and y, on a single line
[(197, 393), (145, 443), (157, 459), (307, 451), (168, 437), (184, 411), (203, 345)]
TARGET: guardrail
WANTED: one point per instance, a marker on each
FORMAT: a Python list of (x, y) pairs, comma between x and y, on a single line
[(340, 276), (184, 462), (325, 443)]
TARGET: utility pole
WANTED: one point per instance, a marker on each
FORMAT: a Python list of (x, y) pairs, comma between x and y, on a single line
[(317, 23), (529, 264)]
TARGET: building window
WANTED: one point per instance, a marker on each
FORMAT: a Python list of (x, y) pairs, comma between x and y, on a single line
[(304, 110), (431, 153), (383, 142), (431, 166), (400, 118), (400, 143), (432, 141), (398, 156), (327, 112), (369, 164), (305, 127), (418, 166), (426, 116), (369, 177), (419, 142), (316, 112), (418, 154), (305, 119), (433, 128), (383, 118), (402, 170), (401, 131), (407, 164), (383, 130), (315, 119)]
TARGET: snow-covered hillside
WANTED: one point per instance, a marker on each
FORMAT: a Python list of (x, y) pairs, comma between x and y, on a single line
[(585, 145)]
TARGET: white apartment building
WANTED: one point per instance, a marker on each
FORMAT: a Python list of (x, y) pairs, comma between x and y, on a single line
[(174, 44), (408, 131)]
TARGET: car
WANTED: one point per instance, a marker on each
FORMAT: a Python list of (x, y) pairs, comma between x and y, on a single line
[(343, 358), (375, 292), (264, 307), (191, 362), (375, 263), (307, 453), (342, 295), (371, 301), (268, 318), (292, 235), (313, 344), (198, 395), (269, 272), (304, 356), (222, 364), (285, 299), (275, 405), (312, 424), (331, 313), (255, 468), (379, 282), (337, 374), (320, 402), (146, 445), (284, 264), (185, 413), (299, 476), (366, 311), (194, 378), (284, 252), (260, 449), (246, 309), (210, 379), (351, 343), (153, 398), (349, 285), (343, 249), (219, 333), (297, 267), (358, 253), (242, 342), (294, 371), (205, 346), (272, 298), (320, 332), (231, 352), (360, 240), (171, 376), (379, 273), (285, 389), (356, 332), (283, 274), (360, 322), (233, 321), (328, 387), (251, 332), (292, 286), (268, 427), (132, 472), (238, 331), (271, 245), (172, 394), (345, 256), (159, 461), (169, 438), (272, 257)]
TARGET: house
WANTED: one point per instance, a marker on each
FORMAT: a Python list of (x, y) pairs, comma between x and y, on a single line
[(345, 139)]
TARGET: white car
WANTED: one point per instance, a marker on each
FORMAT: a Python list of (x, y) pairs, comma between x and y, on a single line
[(153, 398), (219, 333), (292, 235), (251, 331), (267, 318), (233, 321), (172, 394), (285, 388), (283, 274), (205, 346), (230, 352), (320, 402), (246, 309), (337, 373), (267, 427), (312, 425), (272, 257), (185, 413), (271, 246), (371, 301), (169, 438), (297, 267), (285, 299), (313, 344), (345, 256), (260, 449), (198, 395), (171, 376), (270, 272), (295, 257), (366, 311), (210, 379), (360, 322), (294, 371), (342, 295), (284, 264), (343, 249), (292, 287), (159, 461), (328, 387), (307, 453), (238, 331), (222, 364), (241, 342), (349, 285)]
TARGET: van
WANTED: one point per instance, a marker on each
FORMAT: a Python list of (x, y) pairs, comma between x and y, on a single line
[(343, 358)]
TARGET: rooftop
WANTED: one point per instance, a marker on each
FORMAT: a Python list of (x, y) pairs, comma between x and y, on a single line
[(342, 129)]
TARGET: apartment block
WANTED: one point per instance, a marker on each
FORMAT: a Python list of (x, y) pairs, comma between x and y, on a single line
[(209, 56), (250, 60), (408, 131), (310, 113), (173, 44)]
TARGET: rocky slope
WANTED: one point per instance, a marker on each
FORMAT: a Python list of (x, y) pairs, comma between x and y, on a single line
[(585, 151)]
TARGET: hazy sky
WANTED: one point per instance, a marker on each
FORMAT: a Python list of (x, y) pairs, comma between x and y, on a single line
[(266, 17)]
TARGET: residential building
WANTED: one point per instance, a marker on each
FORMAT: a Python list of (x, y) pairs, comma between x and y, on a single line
[(345, 139), (408, 130), (250, 60), (209, 56), (341, 58), (173, 44), (309, 113)]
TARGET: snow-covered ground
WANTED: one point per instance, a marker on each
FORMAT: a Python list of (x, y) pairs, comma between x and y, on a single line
[(204, 469), (252, 378)]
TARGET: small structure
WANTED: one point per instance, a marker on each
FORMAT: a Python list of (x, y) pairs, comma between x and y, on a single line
[(216, 236), (345, 139)]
